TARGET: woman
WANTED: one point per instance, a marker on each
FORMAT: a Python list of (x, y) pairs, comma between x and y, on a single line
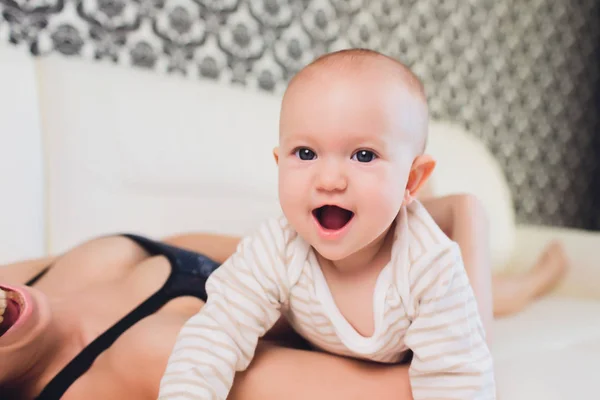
[(73, 331)]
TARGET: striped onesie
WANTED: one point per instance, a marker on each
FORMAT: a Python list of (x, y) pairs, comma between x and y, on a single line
[(422, 303)]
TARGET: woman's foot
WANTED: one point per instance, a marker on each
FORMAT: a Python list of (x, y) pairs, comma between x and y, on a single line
[(512, 293), (549, 269)]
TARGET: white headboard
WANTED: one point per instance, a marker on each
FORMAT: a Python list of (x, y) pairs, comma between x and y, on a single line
[(133, 151), (22, 226)]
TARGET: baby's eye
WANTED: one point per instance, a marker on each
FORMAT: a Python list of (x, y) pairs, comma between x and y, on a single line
[(305, 154), (364, 156)]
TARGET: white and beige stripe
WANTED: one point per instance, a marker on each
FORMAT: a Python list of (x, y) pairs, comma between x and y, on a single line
[(429, 308)]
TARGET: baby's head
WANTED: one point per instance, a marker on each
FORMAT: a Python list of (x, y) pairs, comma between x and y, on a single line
[(353, 128)]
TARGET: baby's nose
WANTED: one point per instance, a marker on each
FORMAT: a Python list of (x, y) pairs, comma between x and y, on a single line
[(332, 178)]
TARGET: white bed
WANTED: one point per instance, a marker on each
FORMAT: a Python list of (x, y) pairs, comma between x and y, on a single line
[(90, 149)]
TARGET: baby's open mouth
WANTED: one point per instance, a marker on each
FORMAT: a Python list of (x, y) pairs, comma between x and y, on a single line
[(11, 305), (332, 218)]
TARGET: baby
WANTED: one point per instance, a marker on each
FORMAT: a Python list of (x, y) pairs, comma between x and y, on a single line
[(357, 266)]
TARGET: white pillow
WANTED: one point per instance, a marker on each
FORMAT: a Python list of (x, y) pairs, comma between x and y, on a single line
[(465, 165)]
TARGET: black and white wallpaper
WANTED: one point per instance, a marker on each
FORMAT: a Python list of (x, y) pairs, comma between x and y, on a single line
[(522, 75)]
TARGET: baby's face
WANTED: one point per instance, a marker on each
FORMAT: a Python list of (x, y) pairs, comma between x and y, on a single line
[(346, 149)]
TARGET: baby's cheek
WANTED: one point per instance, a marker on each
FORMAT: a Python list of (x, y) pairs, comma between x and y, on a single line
[(293, 190), (384, 194)]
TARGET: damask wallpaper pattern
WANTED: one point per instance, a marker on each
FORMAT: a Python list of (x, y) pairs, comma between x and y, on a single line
[(522, 75)]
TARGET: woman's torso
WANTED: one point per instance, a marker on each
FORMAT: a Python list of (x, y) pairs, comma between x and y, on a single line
[(102, 281)]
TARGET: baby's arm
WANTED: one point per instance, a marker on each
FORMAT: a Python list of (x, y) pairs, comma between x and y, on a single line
[(463, 218), (450, 356), (244, 297)]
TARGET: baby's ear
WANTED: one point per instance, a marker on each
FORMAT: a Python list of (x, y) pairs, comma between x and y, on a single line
[(276, 155), (420, 172)]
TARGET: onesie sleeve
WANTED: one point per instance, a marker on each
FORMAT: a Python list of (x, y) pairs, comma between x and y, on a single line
[(451, 359), (245, 295)]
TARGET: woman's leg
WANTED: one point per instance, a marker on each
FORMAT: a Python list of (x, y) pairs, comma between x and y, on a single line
[(513, 293), (290, 374), (463, 219)]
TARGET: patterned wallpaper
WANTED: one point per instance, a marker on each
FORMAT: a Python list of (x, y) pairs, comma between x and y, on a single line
[(522, 75)]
